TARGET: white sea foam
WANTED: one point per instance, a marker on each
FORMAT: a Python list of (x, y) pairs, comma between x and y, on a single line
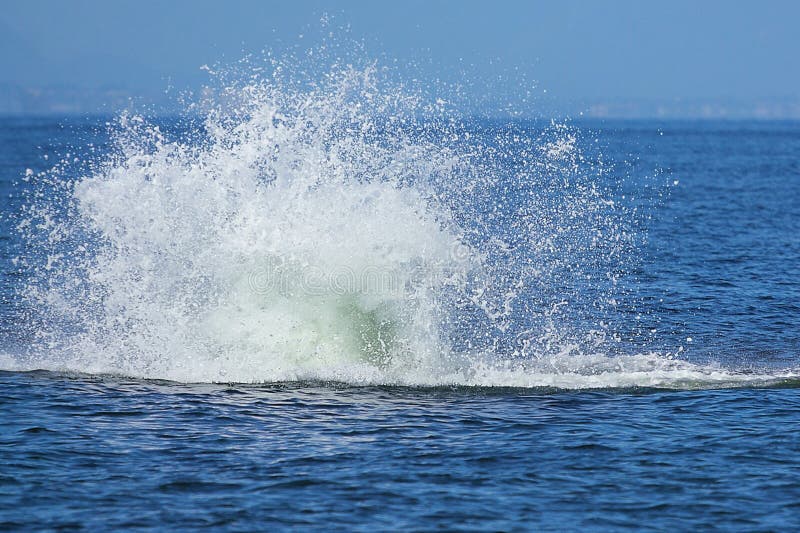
[(338, 229)]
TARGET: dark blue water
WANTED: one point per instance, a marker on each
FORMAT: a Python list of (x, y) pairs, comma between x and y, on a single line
[(714, 273)]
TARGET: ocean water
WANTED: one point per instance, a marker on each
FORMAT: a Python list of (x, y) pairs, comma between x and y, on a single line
[(333, 305)]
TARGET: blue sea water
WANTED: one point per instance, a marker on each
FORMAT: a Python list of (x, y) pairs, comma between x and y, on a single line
[(683, 416)]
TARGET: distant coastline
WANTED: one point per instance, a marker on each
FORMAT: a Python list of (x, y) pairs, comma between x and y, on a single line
[(58, 100)]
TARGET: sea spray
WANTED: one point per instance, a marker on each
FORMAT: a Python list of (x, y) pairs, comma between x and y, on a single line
[(335, 228)]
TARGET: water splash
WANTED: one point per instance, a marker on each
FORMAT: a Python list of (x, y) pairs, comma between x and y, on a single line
[(335, 228)]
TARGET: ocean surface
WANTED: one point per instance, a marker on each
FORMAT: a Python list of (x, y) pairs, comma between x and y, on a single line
[(337, 310)]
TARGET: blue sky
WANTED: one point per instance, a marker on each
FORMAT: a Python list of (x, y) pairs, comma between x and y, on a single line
[(575, 50)]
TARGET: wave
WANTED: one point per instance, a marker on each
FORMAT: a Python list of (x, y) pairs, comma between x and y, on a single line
[(651, 371)]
